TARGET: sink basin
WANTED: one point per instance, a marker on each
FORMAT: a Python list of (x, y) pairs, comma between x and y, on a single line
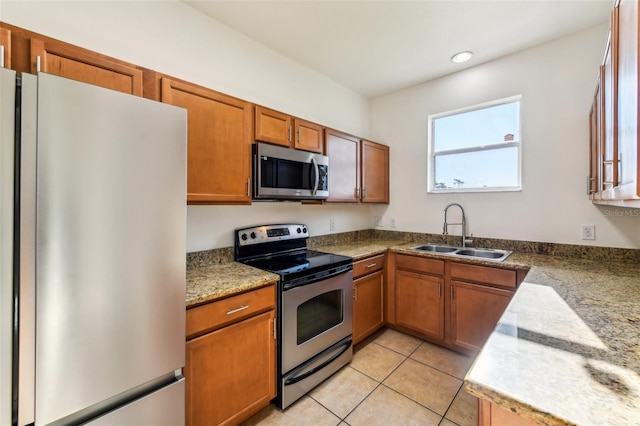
[(479, 253), (435, 248), (484, 253)]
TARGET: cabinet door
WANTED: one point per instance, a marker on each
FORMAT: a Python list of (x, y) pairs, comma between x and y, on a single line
[(419, 304), (5, 42), (231, 372), (593, 184), (609, 87), (628, 100), (273, 126), (367, 305), (490, 414), (72, 62), (344, 166), (219, 143), (475, 311), (308, 136), (375, 173)]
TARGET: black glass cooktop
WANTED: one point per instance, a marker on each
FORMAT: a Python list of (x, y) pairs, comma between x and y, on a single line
[(290, 266)]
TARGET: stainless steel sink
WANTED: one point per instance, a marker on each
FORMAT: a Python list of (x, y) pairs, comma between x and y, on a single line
[(488, 254), (435, 248), (467, 252)]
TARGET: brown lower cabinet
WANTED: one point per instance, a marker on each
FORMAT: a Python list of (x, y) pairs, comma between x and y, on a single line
[(453, 304), (490, 414), (368, 292), (230, 366), (419, 303), (475, 311)]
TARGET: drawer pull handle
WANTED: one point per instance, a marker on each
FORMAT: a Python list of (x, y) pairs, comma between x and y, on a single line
[(371, 265), (241, 308)]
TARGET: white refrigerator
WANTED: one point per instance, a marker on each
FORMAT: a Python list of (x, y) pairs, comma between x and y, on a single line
[(92, 279)]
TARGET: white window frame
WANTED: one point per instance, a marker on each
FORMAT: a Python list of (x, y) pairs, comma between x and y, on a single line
[(432, 154)]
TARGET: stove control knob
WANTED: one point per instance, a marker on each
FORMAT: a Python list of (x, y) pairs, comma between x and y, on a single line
[(304, 230), (244, 237), (299, 230), (253, 235)]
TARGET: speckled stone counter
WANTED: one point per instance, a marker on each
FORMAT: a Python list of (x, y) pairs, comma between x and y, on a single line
[(567, 349), (208, 283), (359, 249)]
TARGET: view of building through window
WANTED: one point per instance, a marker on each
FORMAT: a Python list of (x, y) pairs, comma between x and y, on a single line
[(476, 149)]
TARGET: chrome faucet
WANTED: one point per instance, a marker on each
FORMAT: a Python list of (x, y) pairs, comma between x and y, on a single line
[(463, 223)]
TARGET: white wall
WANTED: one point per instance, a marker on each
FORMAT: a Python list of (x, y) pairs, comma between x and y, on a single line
[(173, 38), (557, 82)]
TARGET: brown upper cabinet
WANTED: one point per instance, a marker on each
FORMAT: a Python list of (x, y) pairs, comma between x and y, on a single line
[(614, 145), (358, 169), (273, 126), (219, 130), (307, 135), (344, 166), (375, 172), (628, 100), (61, 59), (281, 129), (32, 52), (5, 42), (595, 136)]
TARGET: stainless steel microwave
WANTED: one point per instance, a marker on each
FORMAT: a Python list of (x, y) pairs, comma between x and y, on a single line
[(281, 173)]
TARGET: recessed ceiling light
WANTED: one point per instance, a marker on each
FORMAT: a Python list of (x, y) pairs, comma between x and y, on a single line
[(461, 57)]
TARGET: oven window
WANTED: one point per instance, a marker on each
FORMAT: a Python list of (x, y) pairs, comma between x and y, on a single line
[(319, 314)]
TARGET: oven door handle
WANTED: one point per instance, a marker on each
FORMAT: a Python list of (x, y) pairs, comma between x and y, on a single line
[(321, 276), (293, 376), (315, 176)]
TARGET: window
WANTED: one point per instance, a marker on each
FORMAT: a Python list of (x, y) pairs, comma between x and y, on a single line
[(476, 149)]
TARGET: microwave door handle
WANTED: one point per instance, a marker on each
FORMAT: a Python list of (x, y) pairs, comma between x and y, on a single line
[(315, 175)]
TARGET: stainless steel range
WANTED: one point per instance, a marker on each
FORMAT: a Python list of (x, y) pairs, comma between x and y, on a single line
[(315, 311)]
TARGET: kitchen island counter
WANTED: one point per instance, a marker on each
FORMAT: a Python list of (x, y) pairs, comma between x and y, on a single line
[(567, 349)]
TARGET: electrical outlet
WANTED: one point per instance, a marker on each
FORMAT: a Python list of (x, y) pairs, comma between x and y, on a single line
[(332, 224), (394, 223), (378, 221), (588, 232)]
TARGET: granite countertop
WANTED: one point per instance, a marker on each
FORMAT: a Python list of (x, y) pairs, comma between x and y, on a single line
[(208, 283), (566, 350)]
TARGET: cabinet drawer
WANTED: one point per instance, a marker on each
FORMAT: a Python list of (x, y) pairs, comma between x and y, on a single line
[(226, 311), (484, 274), (368, 265), (420, 264)]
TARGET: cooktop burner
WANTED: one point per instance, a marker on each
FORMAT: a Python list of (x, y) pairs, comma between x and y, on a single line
[(290, 265), (282, 249)]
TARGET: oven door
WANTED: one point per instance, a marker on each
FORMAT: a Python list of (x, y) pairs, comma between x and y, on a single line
[(282, 173), (314, 317)]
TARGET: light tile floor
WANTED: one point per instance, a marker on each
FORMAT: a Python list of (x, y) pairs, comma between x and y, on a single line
[(393, 379)]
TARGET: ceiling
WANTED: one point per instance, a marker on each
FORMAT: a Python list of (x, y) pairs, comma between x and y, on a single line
[(377, 47)]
